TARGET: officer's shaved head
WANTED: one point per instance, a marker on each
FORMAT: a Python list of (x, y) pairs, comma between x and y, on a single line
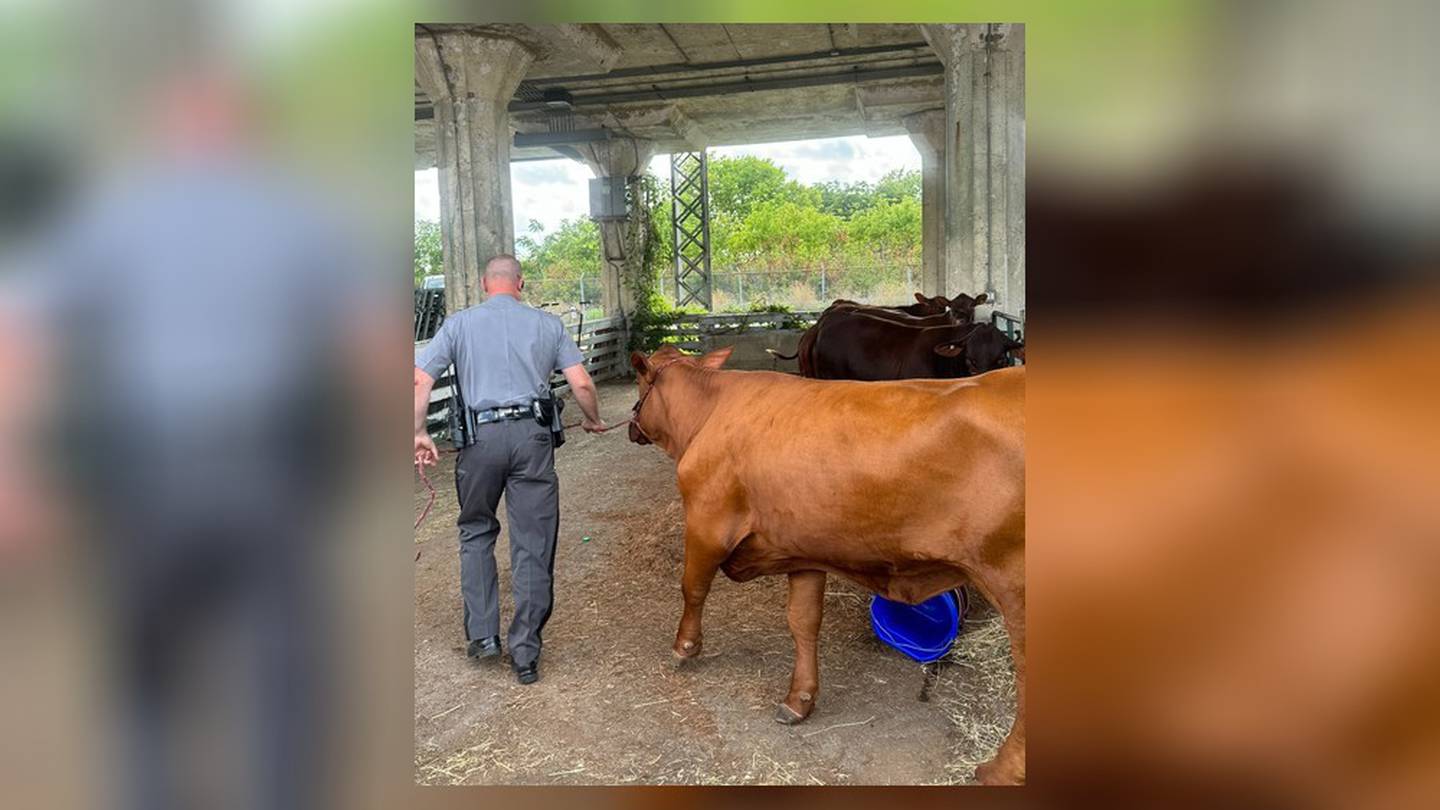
[(503, 267), (502, 275)]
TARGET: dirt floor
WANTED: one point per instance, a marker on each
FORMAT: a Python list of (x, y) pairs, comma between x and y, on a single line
[(612, 708)]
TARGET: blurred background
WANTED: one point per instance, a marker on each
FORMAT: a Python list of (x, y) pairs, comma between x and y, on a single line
[(205, 215)]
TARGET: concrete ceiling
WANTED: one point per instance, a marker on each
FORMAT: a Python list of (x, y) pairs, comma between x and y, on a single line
[(686, 86)]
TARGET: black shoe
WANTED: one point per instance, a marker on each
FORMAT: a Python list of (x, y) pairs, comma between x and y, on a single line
[(484, 647), (527, 673)]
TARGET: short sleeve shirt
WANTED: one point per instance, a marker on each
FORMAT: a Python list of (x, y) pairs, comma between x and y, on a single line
[(504, 352)]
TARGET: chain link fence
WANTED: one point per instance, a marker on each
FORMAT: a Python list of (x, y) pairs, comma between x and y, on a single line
[(740, 290)]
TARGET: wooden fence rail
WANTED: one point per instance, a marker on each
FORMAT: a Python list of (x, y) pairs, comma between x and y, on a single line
[(689, 331), (602, 342)]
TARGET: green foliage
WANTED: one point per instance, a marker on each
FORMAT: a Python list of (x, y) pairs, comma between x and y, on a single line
[(898, 185), (556, 264), (784, 235), (429, 259), (844, 199), (652, 314), (886, 231), (739, 184), (761, 222)]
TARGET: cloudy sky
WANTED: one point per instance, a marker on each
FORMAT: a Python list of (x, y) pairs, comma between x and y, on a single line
[(551, 191)]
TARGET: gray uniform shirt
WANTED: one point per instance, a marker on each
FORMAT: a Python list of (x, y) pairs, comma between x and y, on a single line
[(504, 352)]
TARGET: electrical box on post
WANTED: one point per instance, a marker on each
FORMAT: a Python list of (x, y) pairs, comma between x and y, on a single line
[(607, 198)]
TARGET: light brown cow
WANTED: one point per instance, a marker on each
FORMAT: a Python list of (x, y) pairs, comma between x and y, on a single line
[(909, 488)]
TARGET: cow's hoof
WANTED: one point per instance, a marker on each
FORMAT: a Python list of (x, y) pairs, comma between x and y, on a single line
[(786, 716), (686, 652)]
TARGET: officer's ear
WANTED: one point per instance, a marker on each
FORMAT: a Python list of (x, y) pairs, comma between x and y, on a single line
[(640, 363)]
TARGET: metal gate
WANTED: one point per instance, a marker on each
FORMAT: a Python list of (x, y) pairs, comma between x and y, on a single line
[(1012, 326), (429, 312)]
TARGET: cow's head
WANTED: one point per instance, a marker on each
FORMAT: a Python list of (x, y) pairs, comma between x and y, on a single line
[(963, 306), (647, 422), (984, 348), (937, 305)]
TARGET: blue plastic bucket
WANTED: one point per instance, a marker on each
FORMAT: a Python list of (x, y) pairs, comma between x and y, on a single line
[(925, 631)]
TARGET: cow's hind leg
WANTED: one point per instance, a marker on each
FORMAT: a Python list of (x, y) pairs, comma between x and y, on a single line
[(804, 611)]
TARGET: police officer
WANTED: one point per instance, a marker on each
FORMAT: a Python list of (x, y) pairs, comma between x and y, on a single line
[(504, 354)]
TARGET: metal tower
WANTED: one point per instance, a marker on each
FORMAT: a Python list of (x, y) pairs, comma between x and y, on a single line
[(690, 213)]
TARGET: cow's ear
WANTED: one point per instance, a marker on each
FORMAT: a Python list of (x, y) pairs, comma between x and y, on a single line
[(640, 363), (981, 298), (922, 299), (952, 349), (717, 358)]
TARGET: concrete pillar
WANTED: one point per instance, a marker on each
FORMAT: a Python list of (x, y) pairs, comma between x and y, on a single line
[(622, 241), (985, 159), (471, 79), (927, 132)]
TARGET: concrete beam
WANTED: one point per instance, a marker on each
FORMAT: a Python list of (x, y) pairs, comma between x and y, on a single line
[(656, 122), (927, 132), (622, 241), (591, 41), (985, 162), (470, 78)]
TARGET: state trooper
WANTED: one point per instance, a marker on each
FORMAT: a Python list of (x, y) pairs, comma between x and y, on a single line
[(504, 354)]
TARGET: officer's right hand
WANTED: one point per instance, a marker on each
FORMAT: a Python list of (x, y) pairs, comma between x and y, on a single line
[(593, 426), (425, 452)]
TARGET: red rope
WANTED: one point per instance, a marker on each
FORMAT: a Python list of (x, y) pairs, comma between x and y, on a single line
[(604, 429), (424, 479)]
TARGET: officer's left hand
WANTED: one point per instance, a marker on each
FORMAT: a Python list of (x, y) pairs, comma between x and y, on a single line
[(591, 426), (425, 452)]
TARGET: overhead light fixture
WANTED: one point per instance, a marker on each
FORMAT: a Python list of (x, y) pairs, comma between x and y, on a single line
[(558, 98)]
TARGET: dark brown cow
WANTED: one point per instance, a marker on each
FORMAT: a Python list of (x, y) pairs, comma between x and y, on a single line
[(959, 311), (922, 490), (856, 346), (985, 348)]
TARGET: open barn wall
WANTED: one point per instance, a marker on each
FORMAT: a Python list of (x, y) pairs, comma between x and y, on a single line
[(593, 92)]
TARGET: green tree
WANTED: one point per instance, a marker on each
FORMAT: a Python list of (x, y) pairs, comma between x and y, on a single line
[(738, 184), (556, 262), (898, 185), (864, 235), (429, 256), (887, 231), (786, 235), (844, 200)]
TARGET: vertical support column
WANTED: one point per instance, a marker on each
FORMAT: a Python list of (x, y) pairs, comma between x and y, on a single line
[(985, 159), (690, 214), (927, 132), (470, 78), (622, 241)]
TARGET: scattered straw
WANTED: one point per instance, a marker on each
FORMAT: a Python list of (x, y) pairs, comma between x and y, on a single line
[(840, 725)]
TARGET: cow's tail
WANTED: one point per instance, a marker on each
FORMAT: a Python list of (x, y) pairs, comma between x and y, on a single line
[(780, 356)]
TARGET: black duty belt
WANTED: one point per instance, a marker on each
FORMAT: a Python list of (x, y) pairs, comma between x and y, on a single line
[(504, 414)]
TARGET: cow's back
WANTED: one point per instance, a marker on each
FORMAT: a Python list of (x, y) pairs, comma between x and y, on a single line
[(852, 477), (853, 346)]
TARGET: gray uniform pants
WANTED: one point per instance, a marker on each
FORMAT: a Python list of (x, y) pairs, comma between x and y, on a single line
[(518, 459)]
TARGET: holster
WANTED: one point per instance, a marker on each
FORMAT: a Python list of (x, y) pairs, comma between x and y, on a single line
[(547, 414), (461, 420)]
